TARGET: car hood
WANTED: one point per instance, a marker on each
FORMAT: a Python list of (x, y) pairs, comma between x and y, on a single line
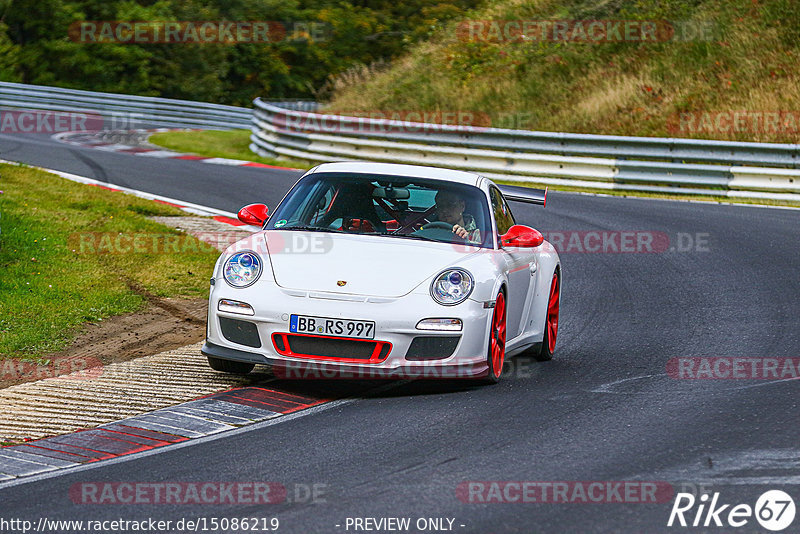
[(369, 265)]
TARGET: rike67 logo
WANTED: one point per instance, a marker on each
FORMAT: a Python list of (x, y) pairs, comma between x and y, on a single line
[(774, 510)]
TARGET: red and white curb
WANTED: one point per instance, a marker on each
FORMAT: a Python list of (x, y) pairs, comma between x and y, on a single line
[(89, 140), (214, 414), (201, 418), (196, 209)]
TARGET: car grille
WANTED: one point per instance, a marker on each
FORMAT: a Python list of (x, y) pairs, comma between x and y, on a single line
[(331, 348)]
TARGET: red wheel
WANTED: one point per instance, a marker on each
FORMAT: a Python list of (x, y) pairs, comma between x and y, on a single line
[(551, 322), (497, 339)]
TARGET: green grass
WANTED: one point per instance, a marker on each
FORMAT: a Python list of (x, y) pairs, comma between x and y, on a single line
[(233, 144), (61, 266), (749, 61)]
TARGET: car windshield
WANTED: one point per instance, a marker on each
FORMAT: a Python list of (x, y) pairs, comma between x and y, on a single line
[(392, 206)]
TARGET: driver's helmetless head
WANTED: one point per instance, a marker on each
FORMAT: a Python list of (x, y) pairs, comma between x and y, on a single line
[(449, 206)]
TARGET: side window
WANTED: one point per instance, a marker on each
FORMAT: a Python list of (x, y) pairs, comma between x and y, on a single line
[(501, 211)]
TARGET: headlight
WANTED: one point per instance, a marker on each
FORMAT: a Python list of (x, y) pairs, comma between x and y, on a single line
[(452, 287), (242, 269)]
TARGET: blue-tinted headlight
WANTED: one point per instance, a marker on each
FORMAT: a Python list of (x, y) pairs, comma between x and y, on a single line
[(452, 287), (242, 269)]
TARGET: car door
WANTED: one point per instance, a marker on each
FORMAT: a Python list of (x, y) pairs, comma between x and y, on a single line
[(520, 264)]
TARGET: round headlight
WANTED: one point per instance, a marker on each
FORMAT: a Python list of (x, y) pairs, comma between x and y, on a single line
[(452, 287), (242, 269)]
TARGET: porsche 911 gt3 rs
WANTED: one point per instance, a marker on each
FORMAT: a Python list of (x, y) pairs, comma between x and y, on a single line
[(372, 269)]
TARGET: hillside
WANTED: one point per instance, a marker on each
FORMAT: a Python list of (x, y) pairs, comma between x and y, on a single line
[(208, 50), (721, 69)]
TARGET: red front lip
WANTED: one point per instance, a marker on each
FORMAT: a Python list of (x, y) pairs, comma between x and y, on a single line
[(282, 343)]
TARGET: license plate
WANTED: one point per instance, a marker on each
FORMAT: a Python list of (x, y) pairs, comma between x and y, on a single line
[(327, 326)]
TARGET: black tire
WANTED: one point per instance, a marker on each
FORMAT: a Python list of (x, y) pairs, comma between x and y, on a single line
[(544, 351), (498, 335), (543, 354), (230, 366)]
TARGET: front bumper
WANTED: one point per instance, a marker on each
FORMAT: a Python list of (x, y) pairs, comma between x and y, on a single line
[(395, 328), (304, 370)]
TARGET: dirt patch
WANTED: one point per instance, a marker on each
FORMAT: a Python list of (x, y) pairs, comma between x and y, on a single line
[(164, 324)]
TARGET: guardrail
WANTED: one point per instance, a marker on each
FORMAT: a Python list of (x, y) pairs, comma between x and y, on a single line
[(290, 129), (126, 109), (687, 166), (130, 109)]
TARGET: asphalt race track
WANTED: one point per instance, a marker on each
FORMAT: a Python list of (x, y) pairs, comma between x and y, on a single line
[(604, 409)]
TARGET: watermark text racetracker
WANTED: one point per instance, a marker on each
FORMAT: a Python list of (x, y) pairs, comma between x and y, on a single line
[(626, 241), (562, 241), (205, 493), (68, 368), (735, 121), (593, 31), (386, 121), (198, 32), (400, 121), (168, 243), (563, 492), (519, 367), (16, 121), (177, 493), (733, 368)]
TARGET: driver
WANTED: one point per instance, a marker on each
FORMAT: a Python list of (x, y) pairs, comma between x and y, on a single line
[(450, 209)]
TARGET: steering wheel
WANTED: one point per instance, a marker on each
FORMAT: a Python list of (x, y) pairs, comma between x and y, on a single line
[(438, 224), (441, 231)]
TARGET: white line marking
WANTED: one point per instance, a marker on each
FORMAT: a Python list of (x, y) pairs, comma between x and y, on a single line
[(35, 458), (606, 387), (691, 201), (158, 154), (113, 148), (226, 161), (186, 206), (769, 383)]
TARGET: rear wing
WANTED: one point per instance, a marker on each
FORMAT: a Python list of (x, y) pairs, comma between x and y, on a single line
[(524, 194)]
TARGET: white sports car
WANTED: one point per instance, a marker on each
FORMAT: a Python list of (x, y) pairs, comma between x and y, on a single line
[(370, 270)]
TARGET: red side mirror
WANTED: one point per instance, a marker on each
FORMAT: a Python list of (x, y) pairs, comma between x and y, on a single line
[(254, 214), (521, 236)]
